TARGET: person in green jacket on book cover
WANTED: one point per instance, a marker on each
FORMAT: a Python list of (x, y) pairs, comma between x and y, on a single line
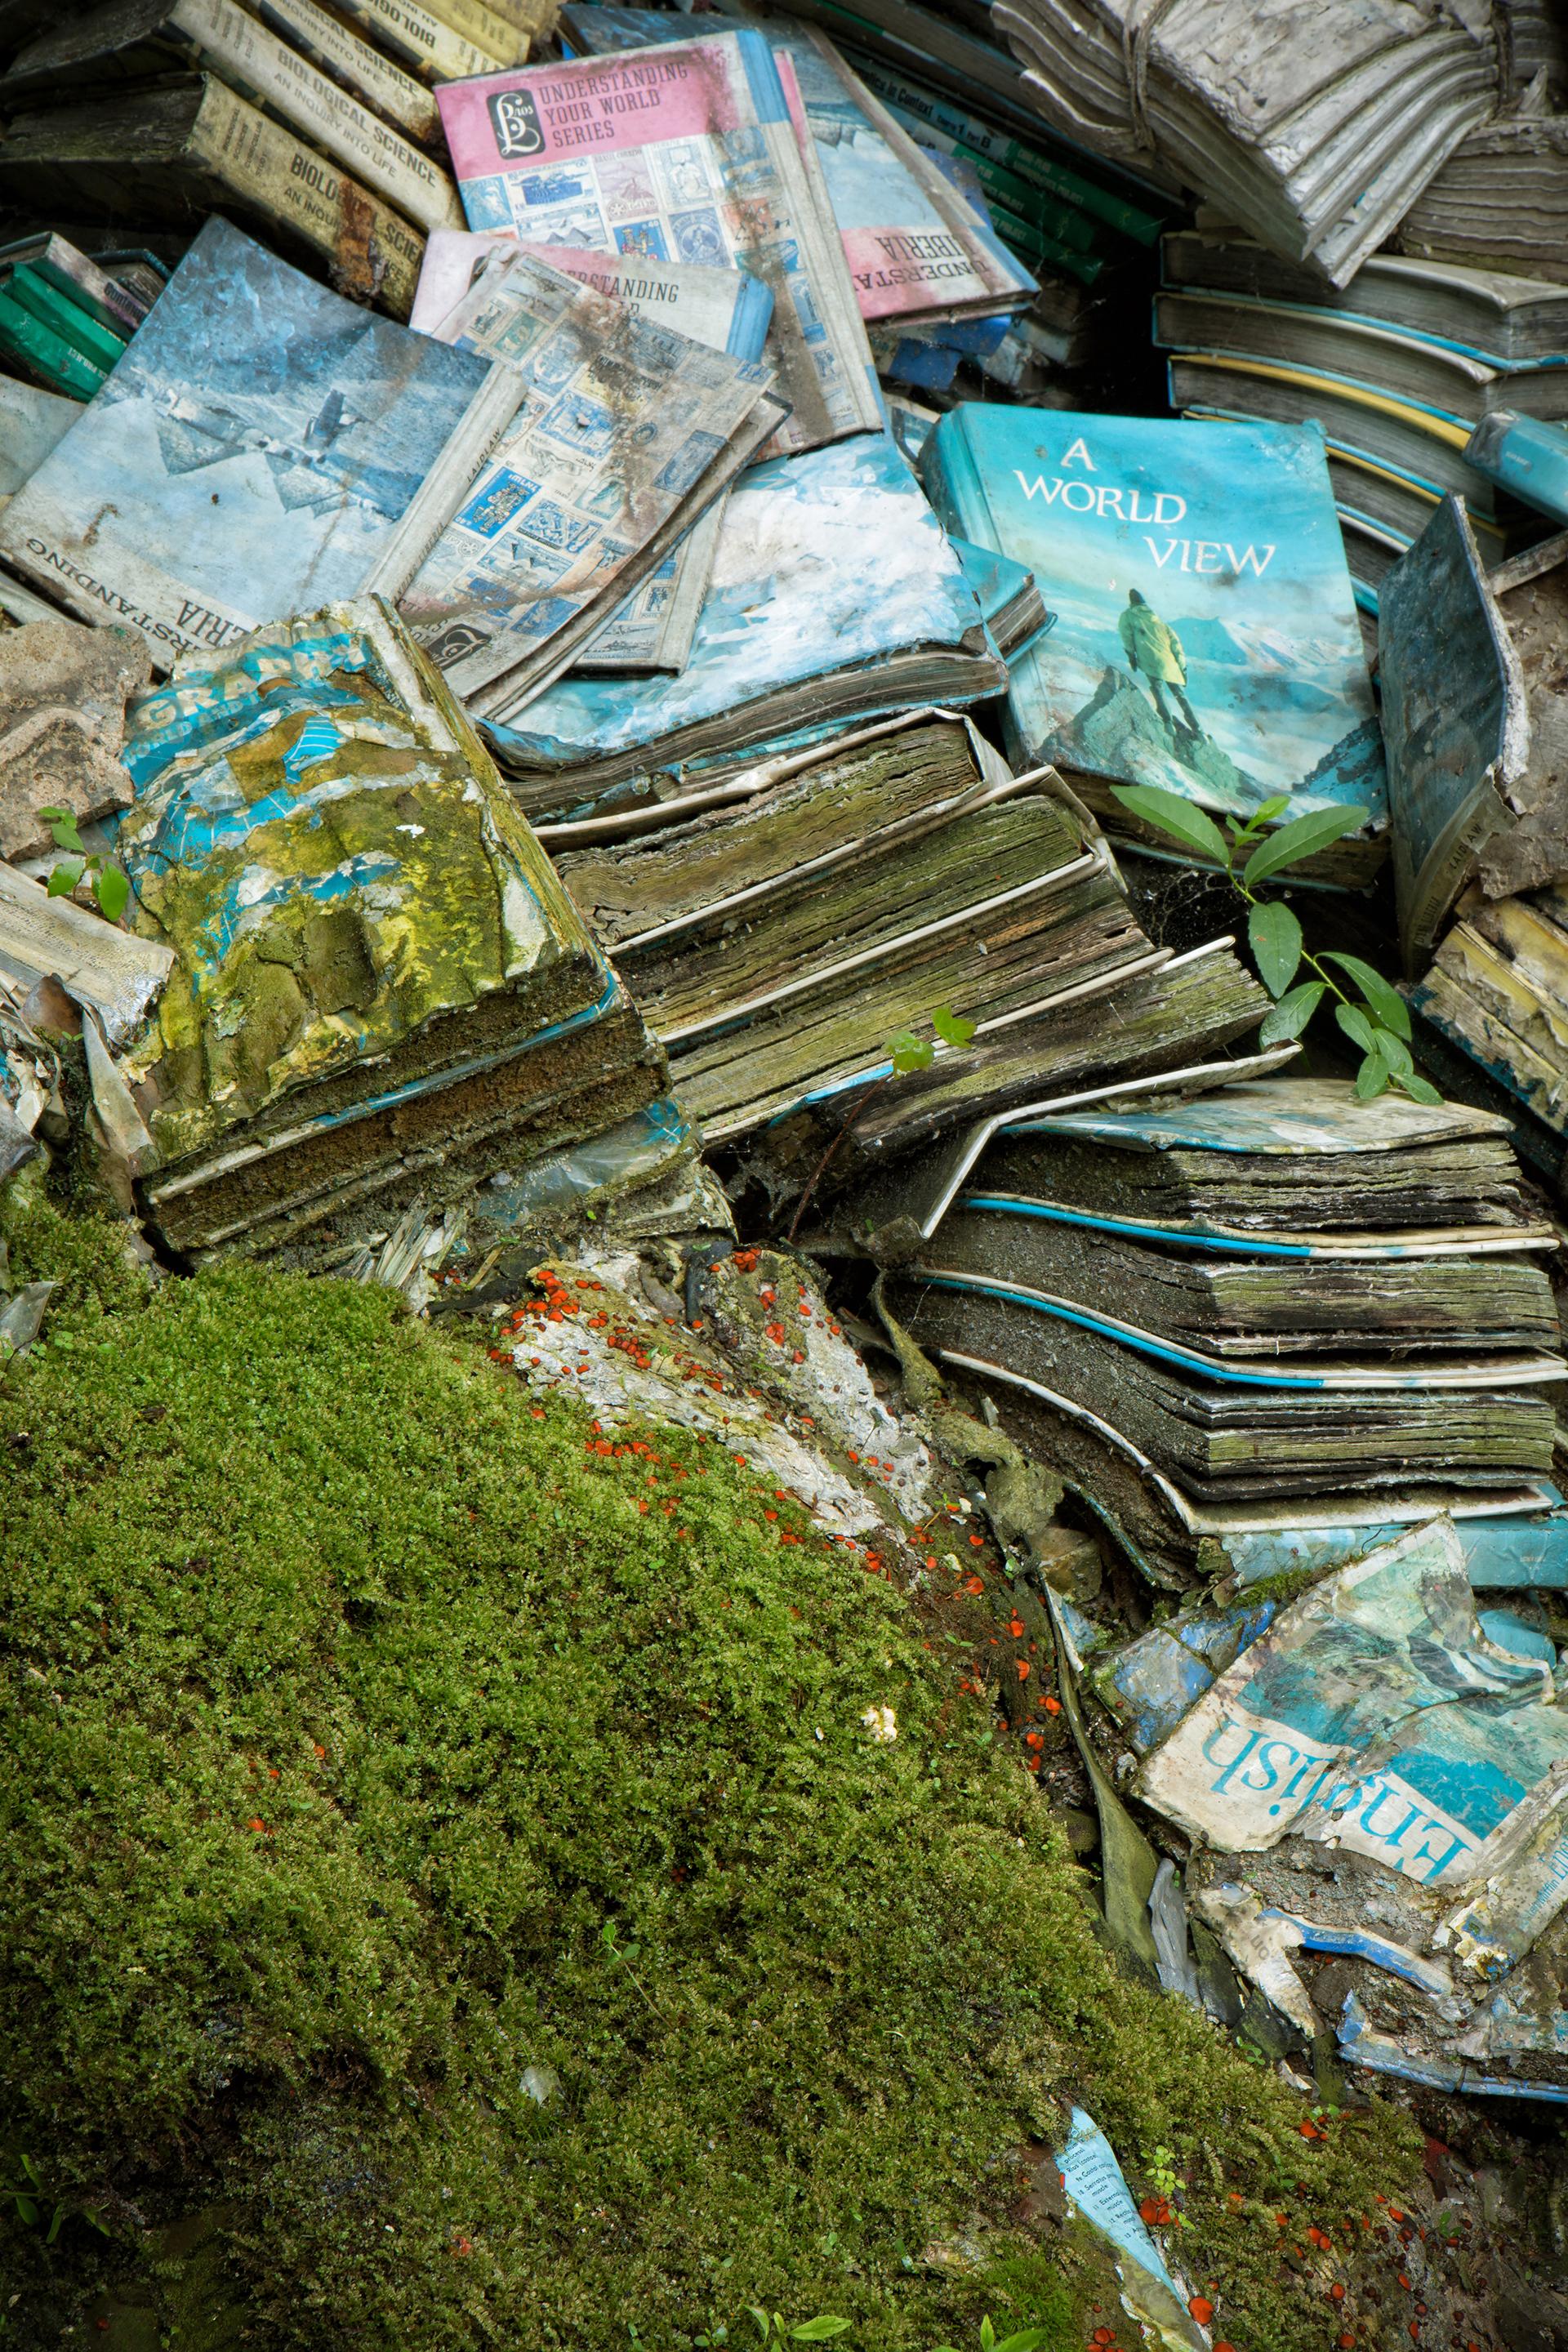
[(1155, 650)]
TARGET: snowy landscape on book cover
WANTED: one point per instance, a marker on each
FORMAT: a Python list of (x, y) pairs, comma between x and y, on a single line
[(261, 437)]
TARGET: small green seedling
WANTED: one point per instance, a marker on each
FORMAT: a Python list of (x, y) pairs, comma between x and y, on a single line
[(1376, 1019), (1025, 2339), (907, 1052), (109, 885), (808, 2331), (30, 2201)]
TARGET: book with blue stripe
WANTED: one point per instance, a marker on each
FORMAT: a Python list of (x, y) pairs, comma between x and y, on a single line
[(1255, 1286), (1204, 639)]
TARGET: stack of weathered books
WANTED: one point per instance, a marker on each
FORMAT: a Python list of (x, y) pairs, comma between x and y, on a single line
[(263, 442), (1274, 1299), (1398, 367), (890, 940), (381, 993), (315, 125), (1320, 142)]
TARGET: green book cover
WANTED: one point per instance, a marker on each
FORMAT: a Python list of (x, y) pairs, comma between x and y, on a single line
[(46, 354)]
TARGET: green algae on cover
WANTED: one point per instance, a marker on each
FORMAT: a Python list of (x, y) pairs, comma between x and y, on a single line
[(353, 897), (383, 1746)]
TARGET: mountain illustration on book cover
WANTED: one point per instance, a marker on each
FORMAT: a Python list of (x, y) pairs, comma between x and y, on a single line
[(1202, 635)]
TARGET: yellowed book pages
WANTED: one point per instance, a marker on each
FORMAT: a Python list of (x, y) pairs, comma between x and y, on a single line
[(218, 35), (374, 252), (358, 64), (464, 37)]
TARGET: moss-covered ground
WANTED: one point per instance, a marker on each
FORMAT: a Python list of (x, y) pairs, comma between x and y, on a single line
[(380, 1748)]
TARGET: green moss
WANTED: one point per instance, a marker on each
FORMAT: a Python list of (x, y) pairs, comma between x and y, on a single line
[(544, 1779)]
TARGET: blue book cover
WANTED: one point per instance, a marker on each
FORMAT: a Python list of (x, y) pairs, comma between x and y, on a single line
[(831, 572), (1204, 636), (262, 447)]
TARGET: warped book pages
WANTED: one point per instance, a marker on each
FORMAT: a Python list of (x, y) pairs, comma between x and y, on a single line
[(835, 597), (627, 431), (1489, 310), (261, 443), (381, 989), (1497, 989), (1221, 1434), (727, 309), (130, 38), (1502, 199), (771, 945), (1380, 428), (1237, 1304), (1266, 1287), (1204, 638), (1320, 145), (1507, 1533), (1297, 1161), (915, 250), (685, 152), (1458, 380), (169, 150)]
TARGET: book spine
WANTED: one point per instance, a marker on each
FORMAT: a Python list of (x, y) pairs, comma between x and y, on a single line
[(217, 35), (374, 253), (339, 50), (531, 17), (438, 50), (46, 354), (1086, 266)]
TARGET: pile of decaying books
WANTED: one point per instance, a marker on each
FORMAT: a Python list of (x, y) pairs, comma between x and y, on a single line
[(379, 993), (1318, 139), (1232, 1316), (1399, 369), (775, 945)]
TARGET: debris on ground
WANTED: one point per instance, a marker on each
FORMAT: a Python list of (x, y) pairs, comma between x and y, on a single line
[(837, 735)]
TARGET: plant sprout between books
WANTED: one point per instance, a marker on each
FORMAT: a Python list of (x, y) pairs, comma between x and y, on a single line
[(1376, 1020), (108, 883)]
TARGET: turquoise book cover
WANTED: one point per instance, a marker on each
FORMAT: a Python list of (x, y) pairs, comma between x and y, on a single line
[(1202, 633)]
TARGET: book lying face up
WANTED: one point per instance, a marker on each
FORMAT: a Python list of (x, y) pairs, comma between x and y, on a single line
[(1204, 638), (263, 442)]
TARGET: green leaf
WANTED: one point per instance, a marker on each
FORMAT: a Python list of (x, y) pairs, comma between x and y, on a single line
[(59, 2215), (1276, 937), (1290, 1015), (953, 1030), (1372, 1079), (112, 888), (907, 1052), (1357, 1026), (1027, 2339), (1380, 994), (762, 2319), (1169, 813), (1420, 1090), (1394, 1052), (27, 2209), (988, 2333), (66, 836), (818, 2330), (65, 877), (1302, 837), (56, 816)]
